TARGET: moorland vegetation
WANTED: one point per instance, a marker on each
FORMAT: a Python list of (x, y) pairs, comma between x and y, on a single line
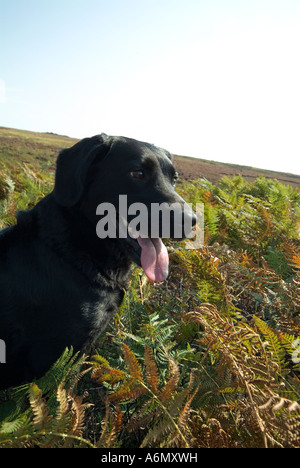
[(209, 358)]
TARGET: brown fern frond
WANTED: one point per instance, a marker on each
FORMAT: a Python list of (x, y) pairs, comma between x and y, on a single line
[(208, 197), (75, 380), (63, 402), (143, 418), (116, 427), (171, 385), (104, 425), (212, 435), (266, 221), (295, 262), (103, 372), (133, 386), (129, 390), (151, 370), (132, 363), (39, 407), (165, 429), (108, 374), (292, 253), (111, 426), (158, 433), (183, 419), (77, 423)]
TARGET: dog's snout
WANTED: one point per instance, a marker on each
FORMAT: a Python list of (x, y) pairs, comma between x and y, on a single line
[(189, 220), (195, 219), (180, 220)]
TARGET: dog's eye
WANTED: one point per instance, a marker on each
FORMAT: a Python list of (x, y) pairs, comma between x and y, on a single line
[(175, 178), (137, 174)]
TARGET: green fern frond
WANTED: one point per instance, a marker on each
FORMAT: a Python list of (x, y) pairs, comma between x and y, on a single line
[(273, 344), (11, 427)]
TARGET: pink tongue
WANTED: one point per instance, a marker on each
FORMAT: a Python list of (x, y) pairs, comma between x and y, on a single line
[(154, 258)]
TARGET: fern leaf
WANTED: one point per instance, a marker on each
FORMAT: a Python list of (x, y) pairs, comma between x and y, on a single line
[(292, 253), (104, 373), (295, 261), (132, 363), (116, 427), (62, 399), (129, 390), (143, 417), (10, 427), (273, 343), (111, 426), (151, 370), (183, 418), (77, 422), (158, 432), (39, 407), (171, 385)]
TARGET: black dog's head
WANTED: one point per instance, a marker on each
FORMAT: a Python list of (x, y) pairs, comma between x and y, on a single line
[(98, 170)]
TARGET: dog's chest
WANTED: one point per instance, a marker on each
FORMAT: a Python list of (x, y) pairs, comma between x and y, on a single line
[(100, 312)]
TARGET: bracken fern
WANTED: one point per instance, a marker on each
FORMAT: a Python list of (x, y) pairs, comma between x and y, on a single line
[(209, 358)]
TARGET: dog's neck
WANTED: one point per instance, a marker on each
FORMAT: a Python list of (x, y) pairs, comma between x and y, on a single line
[(100, 260)]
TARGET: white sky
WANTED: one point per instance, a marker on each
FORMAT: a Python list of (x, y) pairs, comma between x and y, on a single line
[(215, 79)]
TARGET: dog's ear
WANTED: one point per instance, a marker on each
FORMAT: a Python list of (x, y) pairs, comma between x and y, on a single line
[(73, 165)]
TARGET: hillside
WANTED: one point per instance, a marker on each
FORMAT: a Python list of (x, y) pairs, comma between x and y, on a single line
[(40, 149), (191, 168)]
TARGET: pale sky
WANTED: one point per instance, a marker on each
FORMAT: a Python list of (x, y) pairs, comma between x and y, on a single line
[(214, 79)]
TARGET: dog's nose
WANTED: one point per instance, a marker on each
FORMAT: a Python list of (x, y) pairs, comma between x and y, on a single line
[(189, 220), (194, 219)]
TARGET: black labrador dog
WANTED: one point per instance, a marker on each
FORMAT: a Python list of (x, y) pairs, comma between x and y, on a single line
[(61, 281)]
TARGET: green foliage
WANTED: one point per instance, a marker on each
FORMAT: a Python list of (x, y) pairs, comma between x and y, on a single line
[(209, 358), (21, 188), (249, 216), (48, 413)]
